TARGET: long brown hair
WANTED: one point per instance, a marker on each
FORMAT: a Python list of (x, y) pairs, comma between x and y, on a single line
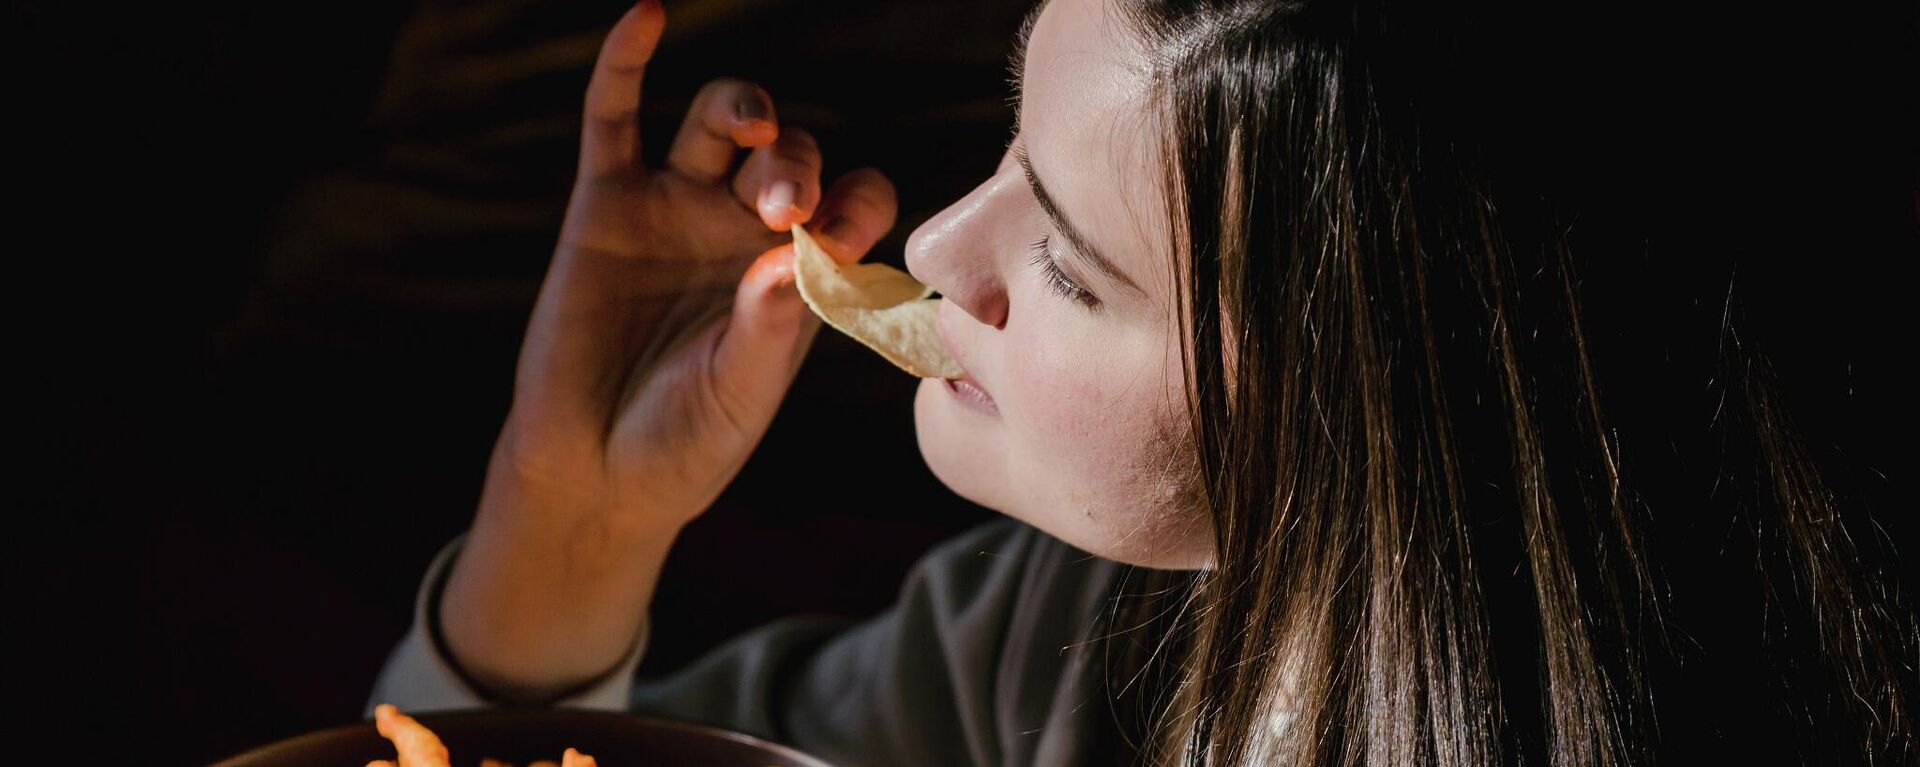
[(1473, 504)]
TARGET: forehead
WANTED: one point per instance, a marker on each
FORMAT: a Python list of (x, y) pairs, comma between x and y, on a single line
[(1085, 125)]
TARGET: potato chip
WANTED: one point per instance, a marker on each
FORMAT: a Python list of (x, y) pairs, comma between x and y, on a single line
[(880, 306)]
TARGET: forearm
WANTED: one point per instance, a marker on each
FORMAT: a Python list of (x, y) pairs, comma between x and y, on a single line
[(537, 603)]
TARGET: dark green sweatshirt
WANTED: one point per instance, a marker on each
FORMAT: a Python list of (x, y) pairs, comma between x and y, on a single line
[(984, 660)]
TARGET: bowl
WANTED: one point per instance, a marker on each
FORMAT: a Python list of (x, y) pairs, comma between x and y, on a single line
[(520, 737)]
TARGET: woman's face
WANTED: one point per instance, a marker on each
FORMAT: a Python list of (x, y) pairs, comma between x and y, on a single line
[(1081, 432)]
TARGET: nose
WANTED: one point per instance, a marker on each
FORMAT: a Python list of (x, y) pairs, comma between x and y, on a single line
[(954, 253)]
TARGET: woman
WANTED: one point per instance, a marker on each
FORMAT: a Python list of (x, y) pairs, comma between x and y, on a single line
[(1273, 309)]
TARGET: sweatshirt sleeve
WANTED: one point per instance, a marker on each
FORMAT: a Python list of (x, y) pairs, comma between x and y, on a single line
[(420, 676), (970, 666), (923, 683)]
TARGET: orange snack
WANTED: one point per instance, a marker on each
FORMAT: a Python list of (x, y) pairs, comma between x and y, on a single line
[(419, 747)]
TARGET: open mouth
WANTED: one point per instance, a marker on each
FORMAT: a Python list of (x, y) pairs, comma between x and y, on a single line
[(965, 388), (969, 392)]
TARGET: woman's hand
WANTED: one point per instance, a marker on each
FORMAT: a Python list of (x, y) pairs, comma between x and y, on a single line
[(662, 342)]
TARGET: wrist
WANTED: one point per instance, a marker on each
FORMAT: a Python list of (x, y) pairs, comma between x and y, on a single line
[(541, 600), (526, 627)]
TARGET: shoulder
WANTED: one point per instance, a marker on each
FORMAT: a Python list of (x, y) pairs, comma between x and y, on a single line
[(1010, 588), (1012, 553)]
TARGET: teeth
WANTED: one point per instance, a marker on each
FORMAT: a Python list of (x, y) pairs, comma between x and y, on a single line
[(965, 387)]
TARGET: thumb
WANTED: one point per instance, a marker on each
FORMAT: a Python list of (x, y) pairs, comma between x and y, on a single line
[(767, 334)]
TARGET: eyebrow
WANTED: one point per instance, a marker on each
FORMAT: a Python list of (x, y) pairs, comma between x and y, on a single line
[(1081, 245)]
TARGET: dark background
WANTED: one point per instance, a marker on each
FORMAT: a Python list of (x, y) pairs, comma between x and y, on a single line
[(270, 265), (290, 252)]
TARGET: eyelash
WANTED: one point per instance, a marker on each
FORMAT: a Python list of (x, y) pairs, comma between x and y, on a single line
[(1058, 281)]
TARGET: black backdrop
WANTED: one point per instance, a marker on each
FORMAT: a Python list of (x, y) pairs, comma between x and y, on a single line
[(292, 248), (268, 266)]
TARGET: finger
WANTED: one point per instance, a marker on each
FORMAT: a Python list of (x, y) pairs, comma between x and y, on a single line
[(610, 130), (781, 181), (574, 758), (762, 344), (726, 115), (857, 211)]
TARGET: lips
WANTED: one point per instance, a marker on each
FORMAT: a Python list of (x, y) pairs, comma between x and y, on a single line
[(969, 392), (966, 387)]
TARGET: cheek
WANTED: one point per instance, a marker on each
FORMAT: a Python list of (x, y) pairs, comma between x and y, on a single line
[(1057, 378), (1084, 413), (1091, 448)]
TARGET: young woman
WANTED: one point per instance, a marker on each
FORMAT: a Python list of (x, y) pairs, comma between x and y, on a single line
[(1276, 309)]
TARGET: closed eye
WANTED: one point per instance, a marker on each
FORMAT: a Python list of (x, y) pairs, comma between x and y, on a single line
[(1058, 281)]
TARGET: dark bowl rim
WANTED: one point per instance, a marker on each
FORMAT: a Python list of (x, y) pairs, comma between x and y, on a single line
[(297, 743)]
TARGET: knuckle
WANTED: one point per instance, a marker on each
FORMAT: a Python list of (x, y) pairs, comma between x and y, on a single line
[(796, 168), (721, 86), (607, 117), (867, 188), (731, 408), (869, 181), (797, 139), (797, 149)]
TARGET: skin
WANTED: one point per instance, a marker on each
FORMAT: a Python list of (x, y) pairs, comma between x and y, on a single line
[(1087, 397), (668, 331)]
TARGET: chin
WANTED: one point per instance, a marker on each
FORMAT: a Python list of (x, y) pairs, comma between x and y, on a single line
[(961, 456), (954, 454)]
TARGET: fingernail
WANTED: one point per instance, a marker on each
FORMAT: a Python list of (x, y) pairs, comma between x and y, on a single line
[(780, 197), (750, 107), (783, 285)]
